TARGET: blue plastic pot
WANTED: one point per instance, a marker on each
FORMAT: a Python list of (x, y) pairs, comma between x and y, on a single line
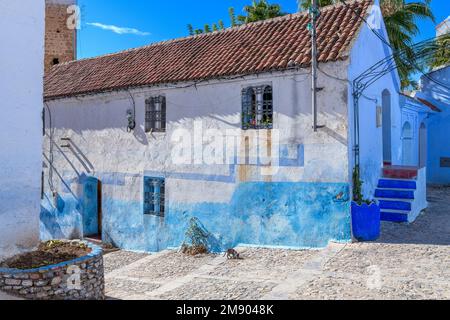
[(366, 221)]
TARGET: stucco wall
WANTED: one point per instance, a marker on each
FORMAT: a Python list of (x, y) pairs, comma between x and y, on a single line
[(366, 52), (295, 206), (438, 126), (415, 116), (21, 65)]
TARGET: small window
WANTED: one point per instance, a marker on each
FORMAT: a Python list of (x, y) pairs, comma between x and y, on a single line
[(154, 196), (55, 61), (155, 114), (257, 108)]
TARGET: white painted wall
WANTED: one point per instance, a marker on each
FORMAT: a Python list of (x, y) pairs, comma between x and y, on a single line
[(21, 65), (367, 51), (97, 125)]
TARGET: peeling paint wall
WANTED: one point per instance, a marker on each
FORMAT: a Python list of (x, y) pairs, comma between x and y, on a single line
[(304, 204), (21, 73)]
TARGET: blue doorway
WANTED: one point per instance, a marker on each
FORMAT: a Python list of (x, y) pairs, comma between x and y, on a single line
[(92, 207)]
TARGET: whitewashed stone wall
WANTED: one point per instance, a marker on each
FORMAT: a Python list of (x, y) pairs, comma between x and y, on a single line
[(21, 85)]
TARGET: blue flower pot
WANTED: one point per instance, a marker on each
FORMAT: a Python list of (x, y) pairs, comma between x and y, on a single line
[(366, 221)]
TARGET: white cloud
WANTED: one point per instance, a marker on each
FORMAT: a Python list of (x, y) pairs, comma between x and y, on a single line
[(118, 30)]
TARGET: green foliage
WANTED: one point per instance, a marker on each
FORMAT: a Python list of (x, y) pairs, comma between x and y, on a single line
[(442, 55), (357, 188), (196, 241), (306, 4), (232, 15), (400, 18), (190, 29), (258, 10)]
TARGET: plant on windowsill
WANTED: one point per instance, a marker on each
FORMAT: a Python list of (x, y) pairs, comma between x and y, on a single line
[(366, 216)]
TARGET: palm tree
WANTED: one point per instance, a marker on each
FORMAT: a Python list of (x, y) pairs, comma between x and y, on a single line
[(400, 19), (260, 10), (442, 55)]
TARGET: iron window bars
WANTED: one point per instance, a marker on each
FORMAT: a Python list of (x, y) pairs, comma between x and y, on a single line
[(257, 107), (155, 114), (154, 196)]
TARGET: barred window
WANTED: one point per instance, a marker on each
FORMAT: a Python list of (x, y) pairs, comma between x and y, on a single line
[(257, 108), (155, 114), (154, 196)]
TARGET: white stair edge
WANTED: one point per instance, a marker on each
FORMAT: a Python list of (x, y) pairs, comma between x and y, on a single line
[(393, 199), (398, 179), (396, 211), (397, 189)]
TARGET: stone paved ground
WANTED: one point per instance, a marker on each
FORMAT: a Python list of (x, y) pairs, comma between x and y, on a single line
[(408, 262)]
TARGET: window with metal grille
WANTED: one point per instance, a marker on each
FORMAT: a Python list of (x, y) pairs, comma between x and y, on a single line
[(154, 196), (155, 114), (257, 108)]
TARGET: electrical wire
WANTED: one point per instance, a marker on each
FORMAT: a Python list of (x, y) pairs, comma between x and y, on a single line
[(346, 81), (382, 39)]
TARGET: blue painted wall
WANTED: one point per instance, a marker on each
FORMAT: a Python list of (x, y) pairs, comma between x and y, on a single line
[(61, 219), (438, 126), (69, 217), (90, 207), (260, 213)]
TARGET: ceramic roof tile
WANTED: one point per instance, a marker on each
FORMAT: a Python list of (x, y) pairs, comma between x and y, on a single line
[(268, 45)]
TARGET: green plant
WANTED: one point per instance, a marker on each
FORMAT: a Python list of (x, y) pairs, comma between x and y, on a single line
[(357, 188), (196, 238)]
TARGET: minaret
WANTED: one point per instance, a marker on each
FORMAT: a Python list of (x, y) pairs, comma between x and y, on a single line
[(60, 37)]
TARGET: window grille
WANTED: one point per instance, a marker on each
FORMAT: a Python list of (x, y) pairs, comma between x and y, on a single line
[(154, 196), (257, 108), (155, 114)]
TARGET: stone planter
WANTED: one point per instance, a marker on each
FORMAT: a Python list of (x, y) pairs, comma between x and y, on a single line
[(366, 221), (79, 279)]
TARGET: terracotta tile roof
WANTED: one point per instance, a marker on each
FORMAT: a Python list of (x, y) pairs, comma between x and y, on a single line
[(422, 101), (271, 45), (429, 105)]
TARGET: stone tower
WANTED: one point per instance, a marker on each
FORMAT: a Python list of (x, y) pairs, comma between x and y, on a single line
[(60, 40)]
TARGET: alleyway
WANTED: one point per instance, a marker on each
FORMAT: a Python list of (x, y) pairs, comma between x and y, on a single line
[(408, 262)]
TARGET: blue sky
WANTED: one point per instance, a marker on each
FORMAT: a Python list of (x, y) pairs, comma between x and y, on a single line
[(110, 26)]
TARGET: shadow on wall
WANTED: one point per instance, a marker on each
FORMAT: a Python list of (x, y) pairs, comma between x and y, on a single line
[(61, 220)]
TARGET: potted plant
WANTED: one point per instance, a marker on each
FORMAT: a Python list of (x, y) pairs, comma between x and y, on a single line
[(366, 216)]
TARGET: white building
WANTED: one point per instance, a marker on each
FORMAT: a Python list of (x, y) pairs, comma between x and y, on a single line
[(443, 27), (21, 92), (118, 121)]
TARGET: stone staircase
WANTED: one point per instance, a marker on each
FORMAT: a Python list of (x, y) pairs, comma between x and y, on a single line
[(400, 194)]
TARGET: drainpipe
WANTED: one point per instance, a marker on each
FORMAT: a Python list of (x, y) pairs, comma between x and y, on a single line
[(314, 15)]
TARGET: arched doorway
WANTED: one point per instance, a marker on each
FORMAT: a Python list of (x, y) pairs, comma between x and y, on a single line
[(387, 125), (423, 145), (407, 139)]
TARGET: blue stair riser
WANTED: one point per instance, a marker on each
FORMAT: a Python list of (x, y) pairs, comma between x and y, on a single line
[(394, 194), (397, 184), (395, 205), (394, 217)]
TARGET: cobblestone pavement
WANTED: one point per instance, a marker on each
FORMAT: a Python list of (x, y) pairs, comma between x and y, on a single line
[(408, 262)]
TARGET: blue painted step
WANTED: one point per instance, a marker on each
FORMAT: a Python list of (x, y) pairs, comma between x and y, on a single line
[(395, 205), (394, 217), (394, 194), (397, 184)]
